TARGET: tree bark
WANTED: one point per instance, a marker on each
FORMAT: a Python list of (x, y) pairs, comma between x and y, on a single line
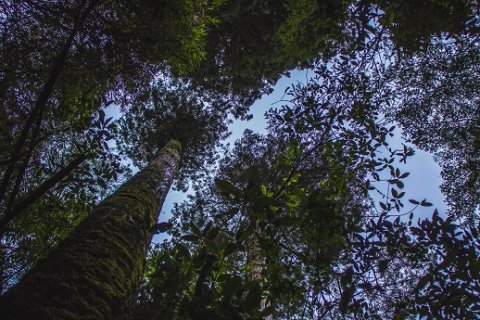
[(95, 272), (257, 262)]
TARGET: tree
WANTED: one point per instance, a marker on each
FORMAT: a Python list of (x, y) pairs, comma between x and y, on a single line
[(72, 282), (435, 99), (342, 102), (278, 214), (85, 66), (175, 110), (62, 63), (411, 31), (240, 236), (420, 74), (117, 214), (402, 269), (388, 268), (257, 41), (94, 51), (59, 181), (385, 256), (104, 48)]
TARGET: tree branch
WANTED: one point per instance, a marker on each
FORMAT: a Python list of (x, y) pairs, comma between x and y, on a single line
[(28, 200)]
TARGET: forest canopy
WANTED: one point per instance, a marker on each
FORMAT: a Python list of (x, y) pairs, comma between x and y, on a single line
[(108, 105)]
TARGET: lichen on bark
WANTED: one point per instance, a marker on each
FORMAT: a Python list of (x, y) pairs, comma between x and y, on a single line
[(94, 273)]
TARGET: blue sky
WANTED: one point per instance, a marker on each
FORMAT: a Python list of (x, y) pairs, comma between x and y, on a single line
[(422, 183)]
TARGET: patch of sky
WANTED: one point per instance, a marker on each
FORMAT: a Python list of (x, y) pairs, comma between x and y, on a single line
[(257, 124), (423, 182)]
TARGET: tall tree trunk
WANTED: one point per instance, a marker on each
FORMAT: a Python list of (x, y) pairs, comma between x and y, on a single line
[(257, 262), (94, 273)]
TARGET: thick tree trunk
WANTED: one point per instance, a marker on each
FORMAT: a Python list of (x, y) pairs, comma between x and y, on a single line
[(94, 273)]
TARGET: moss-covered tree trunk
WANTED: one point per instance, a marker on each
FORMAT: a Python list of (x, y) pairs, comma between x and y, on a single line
[(94, 273)]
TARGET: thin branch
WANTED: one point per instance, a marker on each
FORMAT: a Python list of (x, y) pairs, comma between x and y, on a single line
[(40, 107), (39, 192)]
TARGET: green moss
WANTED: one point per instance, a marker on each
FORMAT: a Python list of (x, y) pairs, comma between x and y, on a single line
[(94, 273)]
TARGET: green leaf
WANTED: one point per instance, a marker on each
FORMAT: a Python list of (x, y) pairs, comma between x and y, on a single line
[(399, 184), (394, 193), (426, 203), (267, 311), (383, 206), (226, 187), (229, 249), (404, 175), (264, 190), (231, 285), (383, 265), (243, 234), (183, 250), (423, 282), (212, 233), (229, 213), (196, 231), (189, 237), (211, 245), (254, 297), (162, 227)]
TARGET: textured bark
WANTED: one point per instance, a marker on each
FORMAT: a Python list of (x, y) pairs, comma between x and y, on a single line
[(257, 262), (94, 273)]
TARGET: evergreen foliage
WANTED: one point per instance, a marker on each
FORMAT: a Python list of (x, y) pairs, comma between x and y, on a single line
[(311, 220)]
